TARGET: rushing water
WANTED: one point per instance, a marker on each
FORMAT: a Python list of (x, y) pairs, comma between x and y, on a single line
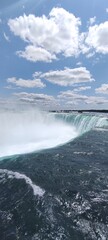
[(24, 132), (84, 122), (60, 193)]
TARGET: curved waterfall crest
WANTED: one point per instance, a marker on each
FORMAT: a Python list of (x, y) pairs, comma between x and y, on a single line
[(30, 131)]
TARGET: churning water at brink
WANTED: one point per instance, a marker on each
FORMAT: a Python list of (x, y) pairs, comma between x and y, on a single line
[(24, 132)]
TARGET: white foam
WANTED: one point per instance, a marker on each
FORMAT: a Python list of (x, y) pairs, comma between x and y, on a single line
[(24, 132), (36, 189)]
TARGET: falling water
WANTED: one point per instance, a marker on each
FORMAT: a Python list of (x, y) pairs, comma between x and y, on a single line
[(28, 131)]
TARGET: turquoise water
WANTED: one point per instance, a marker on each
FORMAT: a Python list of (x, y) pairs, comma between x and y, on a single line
[(25, 132), (61, 192), (84, 122)]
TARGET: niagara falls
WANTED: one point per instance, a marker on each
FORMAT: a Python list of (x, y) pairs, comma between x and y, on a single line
[(53, 170), (28, 131), (53, 120)]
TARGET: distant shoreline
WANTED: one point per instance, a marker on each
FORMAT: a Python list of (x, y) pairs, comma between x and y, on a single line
[(80, 111)]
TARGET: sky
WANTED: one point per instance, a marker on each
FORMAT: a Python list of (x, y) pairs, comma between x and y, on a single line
[(54, 54)]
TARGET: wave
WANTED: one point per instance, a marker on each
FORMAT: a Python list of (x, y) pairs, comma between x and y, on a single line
[(28, 131), (10, 174)]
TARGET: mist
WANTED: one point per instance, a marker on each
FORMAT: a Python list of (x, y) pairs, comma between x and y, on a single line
[(31, 130)]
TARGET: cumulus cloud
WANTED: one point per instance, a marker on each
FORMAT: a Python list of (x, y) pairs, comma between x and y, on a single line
[(103, 89), (41, 100), (49, 36), (94, 100), (68, 76), (92, 20), (74, 98), (80, 89), (34, 96), (26, 83), (58, 33), (71, 95), (35, 54), (96, 39)]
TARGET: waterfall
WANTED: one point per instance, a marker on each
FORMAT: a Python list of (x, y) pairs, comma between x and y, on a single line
[(83, 122)]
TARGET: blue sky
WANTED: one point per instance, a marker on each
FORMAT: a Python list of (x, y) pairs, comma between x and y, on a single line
[(54, 54)]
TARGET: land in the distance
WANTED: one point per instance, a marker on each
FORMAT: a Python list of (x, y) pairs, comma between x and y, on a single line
[(81, 111)]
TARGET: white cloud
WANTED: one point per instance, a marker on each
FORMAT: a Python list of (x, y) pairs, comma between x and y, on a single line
[(80, 89), (10, 87), (26, 83), (107, 10), (58, 33), (68, 76), (96, 39), (71, 95), (74, 98), (79, 63), (34, 96), (37, 74), (35, 54), (94, 100), (41, 100), (6, 37), (103, 89), (92, 20), (52, 35)]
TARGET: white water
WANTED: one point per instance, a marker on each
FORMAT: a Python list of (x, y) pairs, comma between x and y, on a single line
[(25, 132), (84, 122), (10, 174)]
